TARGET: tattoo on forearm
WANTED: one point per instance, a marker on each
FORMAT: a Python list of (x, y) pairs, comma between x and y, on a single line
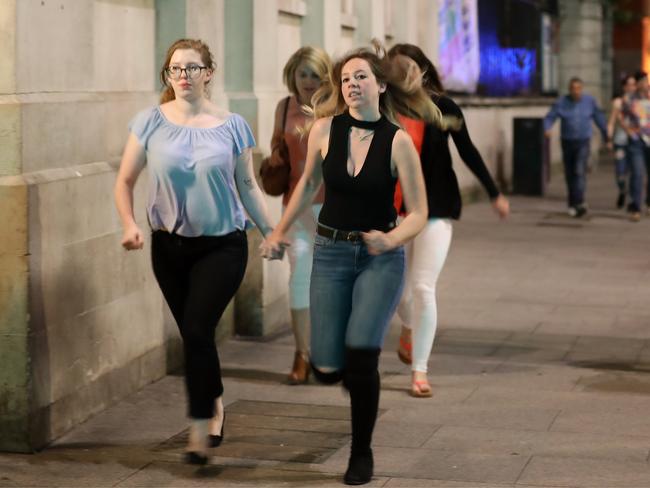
[(248, 182)]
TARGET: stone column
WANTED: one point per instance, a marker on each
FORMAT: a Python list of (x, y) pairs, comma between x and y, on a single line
[(14, 360), (170, 26), (405, 20), (322, 25), (372, 23), (427, 28), (261, 306), (205, 21), (581, 53), (608, 83)]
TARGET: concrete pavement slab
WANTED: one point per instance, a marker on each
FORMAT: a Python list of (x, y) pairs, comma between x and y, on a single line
[(469, 468), (562, 471), (429, 483), (494, 416), (603, 402), (402, 434), (528, 443), (612, 422)]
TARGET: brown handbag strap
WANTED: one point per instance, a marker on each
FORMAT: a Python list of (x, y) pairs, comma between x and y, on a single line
[(284, 115)]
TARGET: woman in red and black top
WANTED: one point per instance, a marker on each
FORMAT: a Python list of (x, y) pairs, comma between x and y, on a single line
[(426, 253)]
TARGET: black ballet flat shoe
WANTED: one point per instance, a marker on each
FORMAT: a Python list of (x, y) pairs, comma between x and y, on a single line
[(360, 468), (216, 440), (193, 457)]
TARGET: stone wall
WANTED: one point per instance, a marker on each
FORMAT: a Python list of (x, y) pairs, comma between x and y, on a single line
[(84, 321)]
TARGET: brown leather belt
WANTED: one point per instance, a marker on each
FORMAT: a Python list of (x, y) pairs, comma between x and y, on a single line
[(342, 235)]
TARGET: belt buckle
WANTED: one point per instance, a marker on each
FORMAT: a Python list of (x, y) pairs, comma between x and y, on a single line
[(352, 237)]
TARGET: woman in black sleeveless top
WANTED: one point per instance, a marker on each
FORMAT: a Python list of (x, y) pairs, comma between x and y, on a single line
[(358, 269)]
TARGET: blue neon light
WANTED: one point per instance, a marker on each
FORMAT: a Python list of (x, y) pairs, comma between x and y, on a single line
[(504, 71)]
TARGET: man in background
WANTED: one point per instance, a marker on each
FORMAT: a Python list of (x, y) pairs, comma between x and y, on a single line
[(576, 111)]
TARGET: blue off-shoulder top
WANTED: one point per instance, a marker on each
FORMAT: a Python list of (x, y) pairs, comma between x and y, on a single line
[(191, 170)]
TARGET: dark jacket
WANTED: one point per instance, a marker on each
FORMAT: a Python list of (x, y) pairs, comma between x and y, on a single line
[(443, 193)]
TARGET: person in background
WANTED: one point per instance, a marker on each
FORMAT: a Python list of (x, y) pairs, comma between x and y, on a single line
[(635, 119), (576, 112), (618, 137), (427, 252), (303, 75)]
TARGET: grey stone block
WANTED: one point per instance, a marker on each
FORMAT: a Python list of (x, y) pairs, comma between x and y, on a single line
[(442, 465)]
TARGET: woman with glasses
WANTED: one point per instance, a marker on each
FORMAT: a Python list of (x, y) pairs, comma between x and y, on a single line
[(357, 275), (303, 74), (201, 179)]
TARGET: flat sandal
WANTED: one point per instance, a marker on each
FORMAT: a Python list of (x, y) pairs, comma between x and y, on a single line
[(421, 389)]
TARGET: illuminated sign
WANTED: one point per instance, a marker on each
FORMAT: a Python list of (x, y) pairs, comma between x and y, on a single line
[(458, 49)]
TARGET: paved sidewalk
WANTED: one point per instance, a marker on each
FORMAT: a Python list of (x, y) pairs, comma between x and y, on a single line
[(541, 372)]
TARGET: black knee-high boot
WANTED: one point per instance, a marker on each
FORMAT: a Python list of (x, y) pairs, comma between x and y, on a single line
[(361, 378)]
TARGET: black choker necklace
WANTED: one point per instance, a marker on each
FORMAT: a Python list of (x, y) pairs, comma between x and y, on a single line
[(364, 124)]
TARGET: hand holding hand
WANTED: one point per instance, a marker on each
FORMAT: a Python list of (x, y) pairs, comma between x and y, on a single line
[(274, 245)]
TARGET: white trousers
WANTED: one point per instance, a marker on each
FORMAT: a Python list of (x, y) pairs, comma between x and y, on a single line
[(425, 258), (301, 254)]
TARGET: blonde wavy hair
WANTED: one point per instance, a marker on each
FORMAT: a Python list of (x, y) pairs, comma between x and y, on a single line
[(315, 58), (404, 92)]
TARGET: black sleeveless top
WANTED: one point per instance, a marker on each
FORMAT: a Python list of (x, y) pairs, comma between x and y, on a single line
[(363, 202)]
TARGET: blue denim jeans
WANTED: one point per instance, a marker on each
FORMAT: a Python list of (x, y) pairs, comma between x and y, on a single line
[(353, 296), (621, 155), (636, 160), (647, 170), (575, 153)]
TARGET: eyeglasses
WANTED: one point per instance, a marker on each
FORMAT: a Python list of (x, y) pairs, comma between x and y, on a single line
[(192, 71)]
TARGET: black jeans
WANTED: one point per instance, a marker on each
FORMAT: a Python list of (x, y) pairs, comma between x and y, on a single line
[(198, 277)]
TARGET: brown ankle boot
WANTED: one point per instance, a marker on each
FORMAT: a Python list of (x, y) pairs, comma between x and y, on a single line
[(300, 371)]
